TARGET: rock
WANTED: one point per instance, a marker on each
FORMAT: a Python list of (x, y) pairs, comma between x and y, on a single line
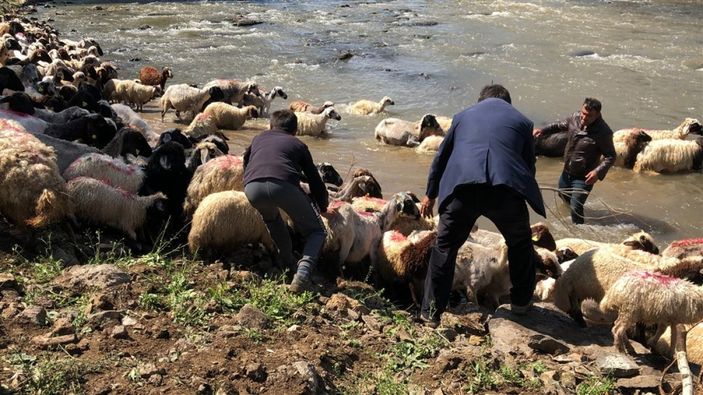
[(650, 382), (617, 365), (47, 340), (342, 304), (448, 333), (61, 327), (308, 373), (447, 360), (11, 311), (148, 369), (242, 276), (251, 317), (256, 371), (547, 344), (162, 334), (80, 278), (465, 323), (99, 320), (414, 389), (372, 322), (144, 27), (128, 321), (7, 281), (293, 328), (99, 302), (119, 332), (34, 315), (346, 55)]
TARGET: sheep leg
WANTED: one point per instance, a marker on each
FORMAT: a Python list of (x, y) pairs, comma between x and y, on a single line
[(575, 311), (652, 340), (471, 295)]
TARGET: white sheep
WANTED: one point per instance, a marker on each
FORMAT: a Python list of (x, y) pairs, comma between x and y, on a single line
[(202, 153), (684, 248), (113, 171), (32, 192), (694, 344), (110, 88), (226, 220), (262, 101), (134, 93), (302, 106), (134, 121), (445, 123), (314, 124), (671, 156), (637, 241), (396, 131), (367, 107), (103, 204), (183, 97), (642, 296), (627, 150), (224, 173), (430, 145), (689, 125), (203, 124), (227, 116), (233, 91), (593, 272)]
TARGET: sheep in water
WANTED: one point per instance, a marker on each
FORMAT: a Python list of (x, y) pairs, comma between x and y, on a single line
[(367, 107), (262, 100), (226, 116), (637, 241), (396, 131), (642, 296), (551, 145), (628, 149), (688, 126), (149, 75), (671, 156), (301, 106), (430, 145), (233, 91), (183, 97), (314, 124)]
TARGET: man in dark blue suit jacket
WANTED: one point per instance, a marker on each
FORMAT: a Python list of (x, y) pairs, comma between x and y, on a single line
[(485, 166)]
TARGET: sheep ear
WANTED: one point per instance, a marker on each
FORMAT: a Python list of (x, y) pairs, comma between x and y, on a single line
[(165, 162), (631, 243), (204, 156)]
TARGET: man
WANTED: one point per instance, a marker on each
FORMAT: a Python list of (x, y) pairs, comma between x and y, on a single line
[(272, 166), (485, 166), (589, 138)]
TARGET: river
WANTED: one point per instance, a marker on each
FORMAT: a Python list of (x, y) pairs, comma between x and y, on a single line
[(642, 59)]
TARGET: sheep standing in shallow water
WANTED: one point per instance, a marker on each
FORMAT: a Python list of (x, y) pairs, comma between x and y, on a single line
[(314, 124), (183, 97), (627, 150), (149, 75), (367, 107), (226, 116), (671, 156), (262, 100), (301, 106), (688, 126), (396, 131)]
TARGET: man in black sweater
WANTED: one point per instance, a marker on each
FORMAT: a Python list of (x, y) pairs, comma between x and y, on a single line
[(272, 166)]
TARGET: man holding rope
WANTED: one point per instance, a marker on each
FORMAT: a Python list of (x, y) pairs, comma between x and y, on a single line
[(589, 138), (485, 166)]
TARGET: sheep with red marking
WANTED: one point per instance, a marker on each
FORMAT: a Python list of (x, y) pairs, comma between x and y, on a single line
[(684, 248), (224, 173), (108, 169), (405, 259)]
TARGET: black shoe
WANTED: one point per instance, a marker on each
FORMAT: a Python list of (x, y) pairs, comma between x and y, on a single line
[(301, 284), (520, 309), (429, 322)]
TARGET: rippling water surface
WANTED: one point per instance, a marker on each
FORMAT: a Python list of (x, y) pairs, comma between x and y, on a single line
[(643, 59)]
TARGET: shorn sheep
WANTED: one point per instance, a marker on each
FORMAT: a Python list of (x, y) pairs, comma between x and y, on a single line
[(107, 169), (671, 156), (32, 192), (647, 297), (688, 126), (104, 204), (227, 116), (314, 124), (183, 97), (301, 106), (367, 107), (396, 131), (224, 221), (628, 149), (220, 174)]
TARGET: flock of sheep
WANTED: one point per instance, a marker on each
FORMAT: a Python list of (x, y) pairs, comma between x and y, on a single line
[(67, 153)]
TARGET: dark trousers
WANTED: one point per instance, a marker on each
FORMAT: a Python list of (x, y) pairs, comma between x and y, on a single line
[(508, 211), (577, 199), (268, 196)]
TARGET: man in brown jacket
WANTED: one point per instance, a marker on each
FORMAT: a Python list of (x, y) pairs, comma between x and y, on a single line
[(589, 139)]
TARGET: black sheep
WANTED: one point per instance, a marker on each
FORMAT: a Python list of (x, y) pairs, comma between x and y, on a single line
[(166, 172), (174, 135), (91, 129), (217, 138), (128, 141), (19, 102), (552, 145), (10, 80)]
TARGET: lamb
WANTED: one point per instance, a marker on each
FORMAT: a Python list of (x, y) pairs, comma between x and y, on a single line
[(301, 106), (233, 91), (134, 93), (224, 173), (396, 131), (671, 156), (642, 296), (262, 101), (32, 192), (112, 171), (595, 271), (128, 141), (166, 172), (226, 220), (688, 126), (637, 241), (183, 97), (314, 124), (201, 154), (104, 204), (202, 125), (149, 75), (367, 107), (628, 149), (684, 248), (226, 116)]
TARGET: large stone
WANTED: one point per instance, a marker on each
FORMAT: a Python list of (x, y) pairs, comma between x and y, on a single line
[(642, 382), (80, 278), (119, 332), (62, 326), (101, 319), (342, 304), (252, 318), (547, 344), (256, 371), (34, 315), (47, 340), (617, 365), (308, 373)]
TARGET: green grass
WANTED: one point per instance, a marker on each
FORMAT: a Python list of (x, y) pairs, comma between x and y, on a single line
[(49, 374), (596, 386)]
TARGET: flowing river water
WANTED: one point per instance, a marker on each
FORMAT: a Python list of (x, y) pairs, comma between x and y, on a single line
[(643, 59)]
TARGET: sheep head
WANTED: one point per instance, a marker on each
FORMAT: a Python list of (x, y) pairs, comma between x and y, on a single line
[(641, 241), (331, 113), (566, 254), (542, 237), (400, 205), (20, 102), (12, 43), (278, 91), (387, 101), (329, 174), (429, 127), (166, 73), (216, 93), (694, 126), (252, 111)]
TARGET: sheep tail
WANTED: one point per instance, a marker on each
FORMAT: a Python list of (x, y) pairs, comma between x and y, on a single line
[(50, 207)]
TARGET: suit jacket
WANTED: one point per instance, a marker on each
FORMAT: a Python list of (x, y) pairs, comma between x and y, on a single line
[(489, 143)]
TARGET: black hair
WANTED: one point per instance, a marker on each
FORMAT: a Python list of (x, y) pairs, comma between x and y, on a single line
[(284, 120), (592, 104), (494, 90)]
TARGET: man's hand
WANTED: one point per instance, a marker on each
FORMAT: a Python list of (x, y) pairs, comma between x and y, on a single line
[(426, 207), (536, 133), (591, 177)]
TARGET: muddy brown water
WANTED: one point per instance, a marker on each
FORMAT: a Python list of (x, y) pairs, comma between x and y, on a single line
[(642, 59)]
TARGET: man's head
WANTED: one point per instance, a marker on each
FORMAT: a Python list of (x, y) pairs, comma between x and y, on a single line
[(494, 90), (284, 120), (590, 111)]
